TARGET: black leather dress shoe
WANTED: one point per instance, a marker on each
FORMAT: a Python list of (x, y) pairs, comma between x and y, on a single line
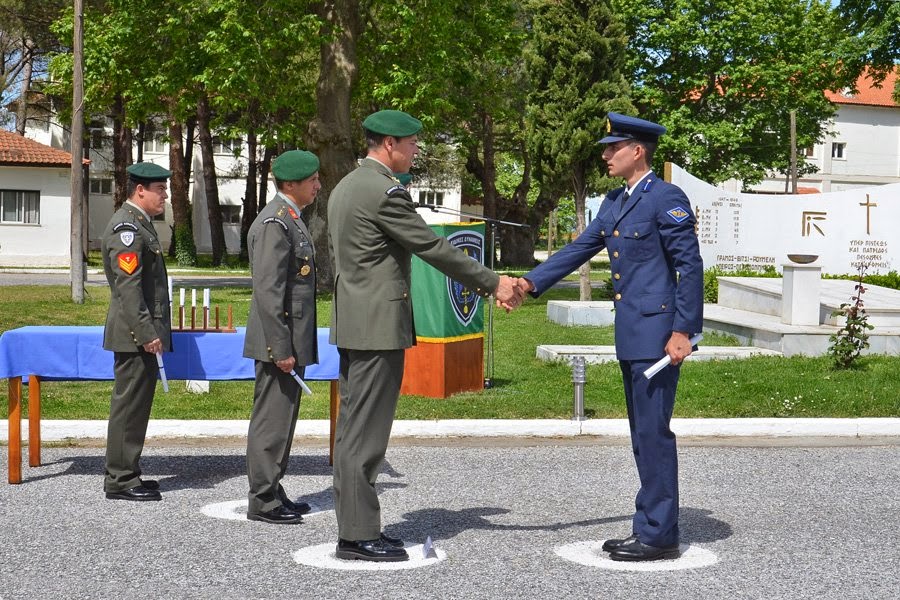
[(150, 484), (373, 550), (280, 515), (137, 494), (301, 508), (636, 551), (391, 541), (610, 545)]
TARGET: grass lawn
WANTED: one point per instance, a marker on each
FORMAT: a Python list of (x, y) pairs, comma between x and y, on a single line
[(524, 387)]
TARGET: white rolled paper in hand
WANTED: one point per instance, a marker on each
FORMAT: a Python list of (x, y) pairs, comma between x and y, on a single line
[(666, 360), (301, 382), (162, 372)]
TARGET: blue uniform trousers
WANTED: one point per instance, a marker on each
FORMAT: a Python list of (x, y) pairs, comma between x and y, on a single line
[(650, 404)]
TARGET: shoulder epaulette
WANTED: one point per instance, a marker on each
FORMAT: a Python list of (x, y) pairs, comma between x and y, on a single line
[(125, 225), (276, 220)]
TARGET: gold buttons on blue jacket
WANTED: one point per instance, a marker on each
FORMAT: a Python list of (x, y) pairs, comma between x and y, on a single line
[(618, 296), (616, 254), (616, 233)]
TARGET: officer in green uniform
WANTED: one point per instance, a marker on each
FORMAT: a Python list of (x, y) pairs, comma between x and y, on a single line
[(138, 327), (374, 230), (281, 332)]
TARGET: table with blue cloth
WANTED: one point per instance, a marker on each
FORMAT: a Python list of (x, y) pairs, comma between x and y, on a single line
[(77, 354)]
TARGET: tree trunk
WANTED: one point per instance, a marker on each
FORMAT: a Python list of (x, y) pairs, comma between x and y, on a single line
[(141, 138), (249, 201), (330, 132), (264, 178), (182, 234), (121, 151), (580, 189), (216, 231), (22, 109)]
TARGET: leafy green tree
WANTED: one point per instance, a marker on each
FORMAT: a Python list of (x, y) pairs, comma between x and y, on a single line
[(723, 76), (575, 59), (876, 41)]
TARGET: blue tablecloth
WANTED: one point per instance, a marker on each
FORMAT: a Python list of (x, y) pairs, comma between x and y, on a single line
[(76, 353)]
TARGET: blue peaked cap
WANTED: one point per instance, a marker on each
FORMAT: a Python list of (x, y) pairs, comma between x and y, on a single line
[(622, 127)]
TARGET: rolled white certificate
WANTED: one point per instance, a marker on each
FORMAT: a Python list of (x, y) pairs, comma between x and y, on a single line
[(162, 372), (181, 297), (205, 297), (193, 298), (301, 382), (666, 360)]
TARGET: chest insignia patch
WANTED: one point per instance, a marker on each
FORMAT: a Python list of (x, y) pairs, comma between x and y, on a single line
[(128, 262), (678, 214), (127, 237)]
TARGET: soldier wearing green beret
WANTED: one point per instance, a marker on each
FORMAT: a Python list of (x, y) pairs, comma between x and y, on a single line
[(138, 326), (374, 230), (281, 332)]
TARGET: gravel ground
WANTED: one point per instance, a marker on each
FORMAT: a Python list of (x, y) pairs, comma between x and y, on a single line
[(784, 522)]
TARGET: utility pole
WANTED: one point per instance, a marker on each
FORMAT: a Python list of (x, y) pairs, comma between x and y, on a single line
[(76, 248), (793, 175)]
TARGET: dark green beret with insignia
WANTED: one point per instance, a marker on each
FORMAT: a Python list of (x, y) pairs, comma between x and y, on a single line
[(295, 165), (145, 172), (403, 178), (395, 123)]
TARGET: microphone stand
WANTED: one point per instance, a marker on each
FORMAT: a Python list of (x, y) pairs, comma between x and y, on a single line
[(489, 367)]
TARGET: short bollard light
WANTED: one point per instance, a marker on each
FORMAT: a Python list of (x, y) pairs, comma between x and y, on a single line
[(578, 380)]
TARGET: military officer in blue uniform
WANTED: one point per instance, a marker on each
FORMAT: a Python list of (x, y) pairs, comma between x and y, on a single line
[(647, 228), (281, 332)]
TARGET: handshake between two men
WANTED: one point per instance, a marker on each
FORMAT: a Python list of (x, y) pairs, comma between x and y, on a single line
[(510, 292)]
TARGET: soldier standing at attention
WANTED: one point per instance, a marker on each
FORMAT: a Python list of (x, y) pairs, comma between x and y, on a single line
[(138, 326), (647, 227), (281, 332), (374, 230)]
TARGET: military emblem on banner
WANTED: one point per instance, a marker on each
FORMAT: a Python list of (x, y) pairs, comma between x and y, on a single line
[(465, 301)]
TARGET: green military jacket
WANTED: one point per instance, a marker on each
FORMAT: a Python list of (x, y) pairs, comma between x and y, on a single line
[(282, 319), (139, 309), (373, 231)]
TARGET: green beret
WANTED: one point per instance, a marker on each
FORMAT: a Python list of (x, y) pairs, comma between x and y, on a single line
[(295, 165), (395, 123), (403, 178), (148, 172)]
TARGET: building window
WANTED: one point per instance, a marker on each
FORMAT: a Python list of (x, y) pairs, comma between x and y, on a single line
[(431, 197), (98, 138), (839, 150), (101, 186), (809, 152), (223, 145), (17, 206), (154, 142), (231, 215)]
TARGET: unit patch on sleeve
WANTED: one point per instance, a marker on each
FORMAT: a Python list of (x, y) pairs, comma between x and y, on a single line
[(678, 214), (276, 220), (398, 191), (128, 262), (125, 225), (127, 237)]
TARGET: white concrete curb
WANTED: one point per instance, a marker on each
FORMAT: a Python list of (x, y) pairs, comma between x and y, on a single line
[(853, 428)]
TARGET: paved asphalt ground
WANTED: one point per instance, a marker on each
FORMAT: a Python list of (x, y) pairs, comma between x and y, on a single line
[(785, 519)]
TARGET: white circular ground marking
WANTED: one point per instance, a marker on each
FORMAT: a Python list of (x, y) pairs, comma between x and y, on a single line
[(322, 556), (236, 510), (591, 554)]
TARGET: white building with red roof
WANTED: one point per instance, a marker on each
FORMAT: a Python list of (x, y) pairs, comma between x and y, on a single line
[(862, 146), (35, 201)]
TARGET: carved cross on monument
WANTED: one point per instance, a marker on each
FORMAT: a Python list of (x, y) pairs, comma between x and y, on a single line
[(868, 204)]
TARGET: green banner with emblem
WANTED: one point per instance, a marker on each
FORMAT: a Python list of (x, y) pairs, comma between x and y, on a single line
[(445, 310)]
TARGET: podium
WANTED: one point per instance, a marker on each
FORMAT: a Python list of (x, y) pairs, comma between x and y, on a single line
[(448, 357)]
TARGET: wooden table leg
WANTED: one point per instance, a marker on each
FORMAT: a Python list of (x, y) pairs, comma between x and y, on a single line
[(15, 430), (335, 409), (34, 420)]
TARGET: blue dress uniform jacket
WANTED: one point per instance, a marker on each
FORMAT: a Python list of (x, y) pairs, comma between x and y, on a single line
[(657, 278), (656, 269)]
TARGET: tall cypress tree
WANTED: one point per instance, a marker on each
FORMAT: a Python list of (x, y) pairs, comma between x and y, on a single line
[(575, 59)]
